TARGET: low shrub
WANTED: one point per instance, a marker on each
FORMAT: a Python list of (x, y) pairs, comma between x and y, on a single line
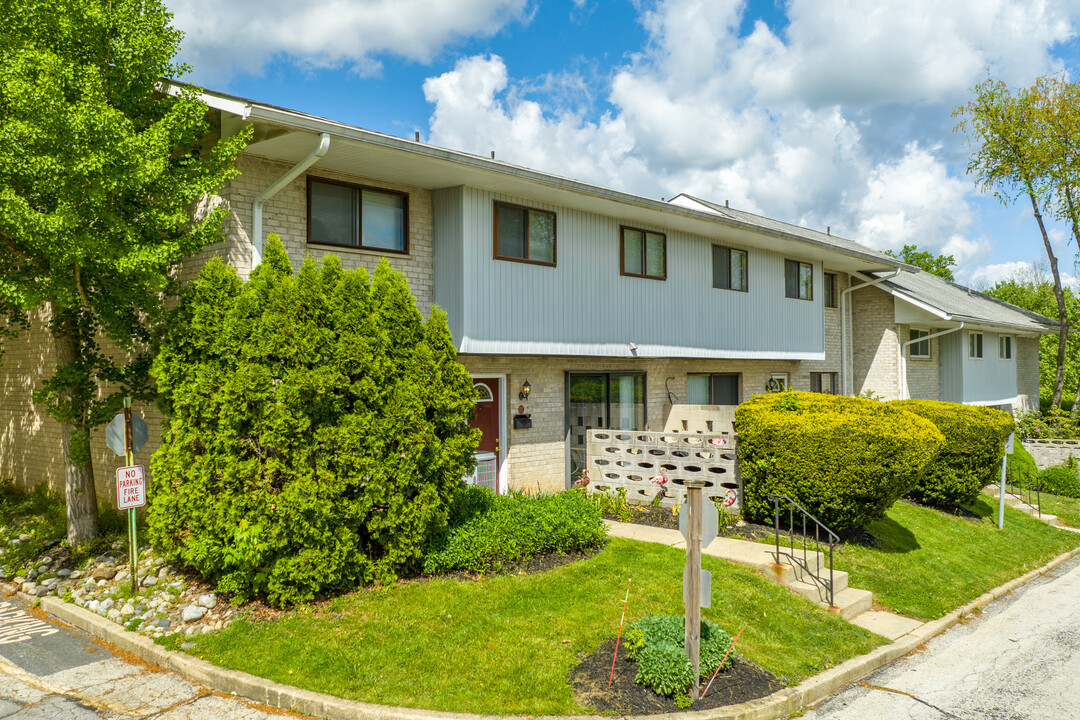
[(656, 642), (1060, 480), (491, 532), (971, 457), (845, 459), (1051, 423)]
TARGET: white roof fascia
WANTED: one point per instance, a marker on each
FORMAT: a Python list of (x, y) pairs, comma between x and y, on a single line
[(294, 119), (938, 312)]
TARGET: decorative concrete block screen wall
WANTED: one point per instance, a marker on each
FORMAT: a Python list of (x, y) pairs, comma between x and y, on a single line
[(701, 419), (630, 459), (1052, 452)]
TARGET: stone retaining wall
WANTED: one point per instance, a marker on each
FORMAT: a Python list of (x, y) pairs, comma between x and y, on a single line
[(1052, 452)]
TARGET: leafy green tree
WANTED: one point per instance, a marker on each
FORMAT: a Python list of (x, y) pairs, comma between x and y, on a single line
[(100, 175), (1019, 154), (940, 265), (1033, 290), (317, 428)]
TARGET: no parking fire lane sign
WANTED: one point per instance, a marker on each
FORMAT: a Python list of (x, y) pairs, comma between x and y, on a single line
[(130, 487)]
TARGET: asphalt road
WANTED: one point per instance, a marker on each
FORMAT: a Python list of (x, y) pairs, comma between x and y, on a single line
[(48, 672), (1018, 659)]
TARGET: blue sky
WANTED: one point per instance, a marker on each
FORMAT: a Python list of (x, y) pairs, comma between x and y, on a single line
[(818, 112)]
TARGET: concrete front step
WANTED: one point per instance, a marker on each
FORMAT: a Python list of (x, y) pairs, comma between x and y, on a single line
[(849, 602), (1012, 501)]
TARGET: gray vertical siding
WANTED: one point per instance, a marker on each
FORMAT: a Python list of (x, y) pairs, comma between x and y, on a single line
[(952, 368), (585, 307), (989, 378), (449, 281)]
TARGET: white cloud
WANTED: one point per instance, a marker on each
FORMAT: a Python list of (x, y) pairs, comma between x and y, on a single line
[(223, 38), (989, 275)]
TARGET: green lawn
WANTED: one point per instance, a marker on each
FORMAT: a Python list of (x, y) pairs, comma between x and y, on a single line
[(927, 562), (506, 644), (1066, 509)]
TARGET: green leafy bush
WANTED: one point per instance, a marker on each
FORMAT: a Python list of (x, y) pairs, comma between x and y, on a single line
[(844, 459), (656, 642), (317, 428), (1052, 423), (971, 458), (1060, 480), (498, 531)]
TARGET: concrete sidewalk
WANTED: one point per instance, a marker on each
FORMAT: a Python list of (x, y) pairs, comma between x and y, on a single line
[(852, 604)]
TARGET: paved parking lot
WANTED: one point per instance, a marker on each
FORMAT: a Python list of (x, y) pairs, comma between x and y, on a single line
[(52, 673)]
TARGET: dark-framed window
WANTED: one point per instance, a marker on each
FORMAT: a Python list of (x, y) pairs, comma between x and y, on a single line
[(524, 234), (825, 383), (920, 349), (1005, 347), (713, 389), (601, 400), (730, 268), (798, 280), (829, 288), (348, 215), (975, 350), (643, 253)]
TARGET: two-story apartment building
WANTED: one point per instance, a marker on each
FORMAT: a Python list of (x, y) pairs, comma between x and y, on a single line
[(573, 306)]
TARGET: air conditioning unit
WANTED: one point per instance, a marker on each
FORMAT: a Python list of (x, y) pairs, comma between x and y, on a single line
[(486, 473)]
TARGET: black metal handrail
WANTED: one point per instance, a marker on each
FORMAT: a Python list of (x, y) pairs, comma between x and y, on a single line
[(1020, 484), (791, 551)]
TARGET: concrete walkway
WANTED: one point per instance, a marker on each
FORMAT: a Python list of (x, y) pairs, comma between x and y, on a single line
[(852, 604), (1018, 659)]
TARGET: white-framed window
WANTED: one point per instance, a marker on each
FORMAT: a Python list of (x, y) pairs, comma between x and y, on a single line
[(778, 382), (483, 392), (1005, 347), (975, 349), (825, 383), (920, 349)]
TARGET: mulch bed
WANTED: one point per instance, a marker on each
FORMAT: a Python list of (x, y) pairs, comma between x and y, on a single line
[(741, 682)]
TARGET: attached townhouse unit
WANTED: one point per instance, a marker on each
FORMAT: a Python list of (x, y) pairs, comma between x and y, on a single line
[(576, 306)]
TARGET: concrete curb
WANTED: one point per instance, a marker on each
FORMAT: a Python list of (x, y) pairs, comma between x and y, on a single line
[(286, 697)]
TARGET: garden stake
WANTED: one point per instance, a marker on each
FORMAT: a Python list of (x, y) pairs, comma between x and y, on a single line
[(619, 636), (722, 661)]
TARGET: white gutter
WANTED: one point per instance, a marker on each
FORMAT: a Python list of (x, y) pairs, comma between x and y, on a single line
[(846, 365), (260, 200), (903, 357)]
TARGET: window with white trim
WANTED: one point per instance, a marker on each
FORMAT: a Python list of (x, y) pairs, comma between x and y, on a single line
[(483, 392), (975, 350), (921, 349), (1005, 347), (825, 383), (778, 382)]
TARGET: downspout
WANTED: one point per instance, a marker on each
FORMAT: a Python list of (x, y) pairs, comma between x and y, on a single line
[(845, 328), (261, 198), (903, 357)]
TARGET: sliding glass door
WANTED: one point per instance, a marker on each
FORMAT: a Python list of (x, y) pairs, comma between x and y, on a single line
[(614, 401)]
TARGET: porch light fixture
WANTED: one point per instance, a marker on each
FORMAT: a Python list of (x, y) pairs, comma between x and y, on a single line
[(525, 390)]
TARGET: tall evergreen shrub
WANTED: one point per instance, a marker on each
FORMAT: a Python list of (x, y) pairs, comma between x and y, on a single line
[(844, 459), (971, 458), (317, 428)]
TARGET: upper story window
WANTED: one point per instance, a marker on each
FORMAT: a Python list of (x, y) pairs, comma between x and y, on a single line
[(729, 268), (829, 287), (920, 349), (524, 234), (1005, 347), (975, 346), (644, 253), (798, 280), (356, 216)]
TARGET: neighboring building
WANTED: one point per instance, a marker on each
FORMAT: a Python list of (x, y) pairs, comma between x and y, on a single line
[(610, 307)]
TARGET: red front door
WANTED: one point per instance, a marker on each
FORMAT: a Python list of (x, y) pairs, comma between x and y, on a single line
[(487, 417)]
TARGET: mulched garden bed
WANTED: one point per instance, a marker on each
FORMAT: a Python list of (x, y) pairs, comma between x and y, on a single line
[(741, 682)]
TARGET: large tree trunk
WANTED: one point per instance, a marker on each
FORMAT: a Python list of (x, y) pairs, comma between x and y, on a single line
[(1063, 317), (81, 493)]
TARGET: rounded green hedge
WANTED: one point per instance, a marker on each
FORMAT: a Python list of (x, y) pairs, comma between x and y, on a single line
[(1021, 466), (1060, 480), (971, 458), (845, 459)]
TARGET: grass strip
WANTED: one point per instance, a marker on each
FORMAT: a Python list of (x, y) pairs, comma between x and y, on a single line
[(506, 644), (1066, 509), (925, 562)]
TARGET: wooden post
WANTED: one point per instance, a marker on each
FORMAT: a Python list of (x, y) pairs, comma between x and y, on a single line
[(692, 590)]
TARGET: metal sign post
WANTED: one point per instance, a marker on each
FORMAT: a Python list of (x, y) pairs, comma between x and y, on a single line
[(129, 456), (692, 581), (125, 435), (1009, 445)]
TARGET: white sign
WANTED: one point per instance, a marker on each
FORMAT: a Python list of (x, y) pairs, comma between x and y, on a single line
[(130, 487)]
